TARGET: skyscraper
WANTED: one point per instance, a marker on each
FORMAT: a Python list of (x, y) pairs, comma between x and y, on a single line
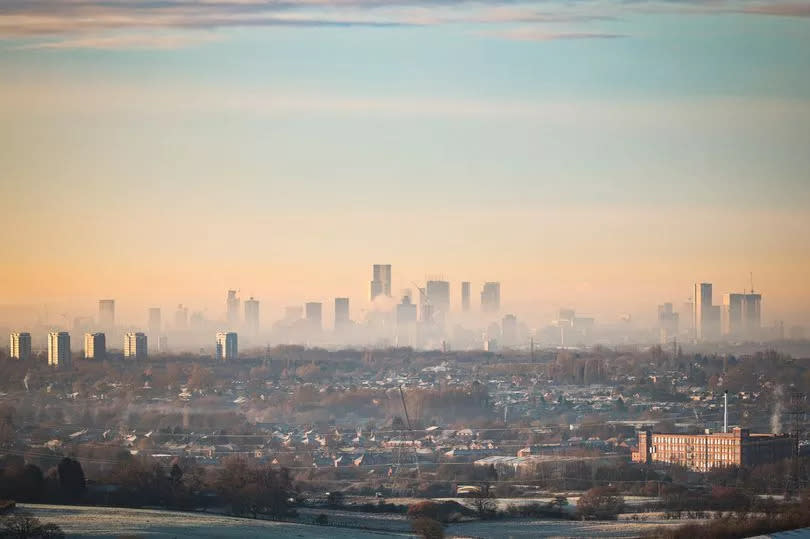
[(509, 330), (342, 319), (707, 315), (197, 321), (59, 349), (438, 294), (465, 296), (135, 345), (227, 345), (314, 315), (155, 323), (381, 281), (19, 346), (752, 315), (106, 313), (252, 316), (95, 346), (406, 310), (181, 318), (491, 297), (667, 322), (232, 304), (732, 314)]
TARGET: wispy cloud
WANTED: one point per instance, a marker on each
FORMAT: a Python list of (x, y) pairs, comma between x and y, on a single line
[(780, 9), (536, 34), (85, 22), (125, 42)]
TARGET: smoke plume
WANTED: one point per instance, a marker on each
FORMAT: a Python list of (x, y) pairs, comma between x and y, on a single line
[(776, 416)]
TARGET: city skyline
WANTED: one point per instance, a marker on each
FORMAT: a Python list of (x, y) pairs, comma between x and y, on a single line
[(739, 317), (450, 294), (598, 287), (589, 153)]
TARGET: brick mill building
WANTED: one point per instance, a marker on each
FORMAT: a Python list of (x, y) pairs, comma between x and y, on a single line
[(702, 452)]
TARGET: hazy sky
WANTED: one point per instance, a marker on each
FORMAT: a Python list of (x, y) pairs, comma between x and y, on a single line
[(593, 154)]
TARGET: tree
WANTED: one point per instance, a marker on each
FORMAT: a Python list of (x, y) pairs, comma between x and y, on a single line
[(176, 474), (71, 479), (200, 378), (334, 499), (426, 509), (600, 503), (397, 423), (7, 430), (253, 489), (483, 501), (30, 484), (428, 528), (25, 526), (309, 372)]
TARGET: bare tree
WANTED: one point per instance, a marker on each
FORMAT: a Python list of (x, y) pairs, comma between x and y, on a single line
[(483, 501)]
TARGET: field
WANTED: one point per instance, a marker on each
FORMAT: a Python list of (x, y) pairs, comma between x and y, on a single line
[(525, 528), (116, 522), (510, 528)]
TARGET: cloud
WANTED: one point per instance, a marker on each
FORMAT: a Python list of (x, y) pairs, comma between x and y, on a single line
[(536, 34), (45, 17), (125, 42), (780, 9), (37, 18), (86, 22)]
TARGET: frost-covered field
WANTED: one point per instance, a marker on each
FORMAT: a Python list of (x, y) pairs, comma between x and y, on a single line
[(519, 528), (116, 522), (376, 521)]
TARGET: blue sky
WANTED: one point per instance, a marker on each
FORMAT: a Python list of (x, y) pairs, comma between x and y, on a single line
[(317, 118)]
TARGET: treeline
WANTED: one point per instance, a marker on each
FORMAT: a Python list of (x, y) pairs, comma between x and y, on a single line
[(26, 482), (245, 487), (744, 523)]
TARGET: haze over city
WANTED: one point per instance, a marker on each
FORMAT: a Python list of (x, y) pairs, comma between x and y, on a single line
[(597, 155), (415, 268)]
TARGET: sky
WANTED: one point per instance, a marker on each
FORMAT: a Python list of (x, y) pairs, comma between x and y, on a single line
[(600, 155)]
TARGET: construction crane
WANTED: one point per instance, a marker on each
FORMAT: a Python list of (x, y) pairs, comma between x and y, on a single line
[(425, 299), (422, 292)]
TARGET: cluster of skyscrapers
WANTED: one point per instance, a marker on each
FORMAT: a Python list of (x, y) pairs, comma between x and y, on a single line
[(432, 306), (417, 319), (738, 317), (428, 310)]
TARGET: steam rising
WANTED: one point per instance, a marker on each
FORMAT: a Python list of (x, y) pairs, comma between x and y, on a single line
[(776, 416)]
